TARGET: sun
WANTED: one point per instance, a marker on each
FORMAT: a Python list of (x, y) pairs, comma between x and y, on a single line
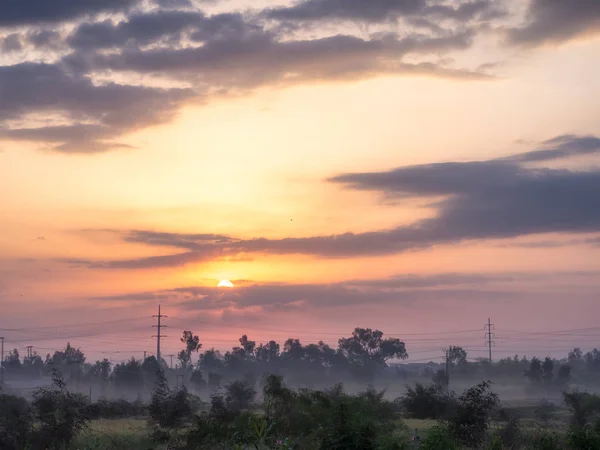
[(225, 283)]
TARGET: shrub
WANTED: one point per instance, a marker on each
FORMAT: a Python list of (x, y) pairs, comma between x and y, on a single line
[(170, 411), (545, 440), (587, 438), (427, 402), (439, 438), (116, 409), (584, 407), (473, 414), (15, 422), (239, 395), (60, 414)]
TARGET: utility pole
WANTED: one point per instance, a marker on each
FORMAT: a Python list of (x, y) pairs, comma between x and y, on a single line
[(158, 335), (489, 334), (29, 351)]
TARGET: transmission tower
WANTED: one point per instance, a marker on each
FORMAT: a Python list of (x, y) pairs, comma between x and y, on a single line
[(489, 334), (158, 327)]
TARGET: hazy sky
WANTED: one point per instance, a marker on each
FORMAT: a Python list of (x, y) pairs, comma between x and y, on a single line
[(415, 166)]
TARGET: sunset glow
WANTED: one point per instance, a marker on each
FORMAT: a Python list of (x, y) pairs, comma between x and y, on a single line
[(345, 167)]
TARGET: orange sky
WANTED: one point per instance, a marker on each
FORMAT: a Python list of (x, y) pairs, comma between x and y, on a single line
[(86, 228)]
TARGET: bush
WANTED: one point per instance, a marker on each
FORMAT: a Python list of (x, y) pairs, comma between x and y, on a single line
[(439, 438), (587, 438), (239, 395), (428, 402), (584, 407), (170, 411), (470, 423), (15, 422), (545, 440), (60, 415)]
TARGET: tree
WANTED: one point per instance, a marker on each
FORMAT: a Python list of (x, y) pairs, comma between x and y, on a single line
[(548, 370), (101, 370), (12, 361), (192, 344), (246, 348), (33, 363), (268, 353), (239, 395), (210, 360), (575, 356), (457, 356), (293, 350), (535, 371), (473, 415), (367, 348), (563, 377), (129, 375), (59, 414)]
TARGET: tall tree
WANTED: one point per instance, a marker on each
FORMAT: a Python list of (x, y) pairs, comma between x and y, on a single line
[(192, 344), (366, 347), (457, 356)]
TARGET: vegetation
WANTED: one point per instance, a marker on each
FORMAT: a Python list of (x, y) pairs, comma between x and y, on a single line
[(243, 400)]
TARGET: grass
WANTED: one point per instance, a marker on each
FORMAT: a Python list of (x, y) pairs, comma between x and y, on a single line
[(118, 434)]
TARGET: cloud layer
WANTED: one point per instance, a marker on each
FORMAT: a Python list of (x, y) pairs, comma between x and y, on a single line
[(493, 199), (96, 70)]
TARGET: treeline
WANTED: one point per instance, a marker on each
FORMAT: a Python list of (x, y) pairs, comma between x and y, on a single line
[(362, 357)]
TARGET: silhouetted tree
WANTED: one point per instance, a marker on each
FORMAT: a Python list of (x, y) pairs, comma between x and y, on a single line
[(548, 370), (192, 344), (535, 372), (366, 348), (12, 360)]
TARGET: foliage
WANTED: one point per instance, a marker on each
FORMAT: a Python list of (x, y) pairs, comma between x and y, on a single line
[(427, 402), (470, 422), (192, 344), (239, 395), (439, 438), (584, 407), (15, 422), (168, 408), (59, 414)]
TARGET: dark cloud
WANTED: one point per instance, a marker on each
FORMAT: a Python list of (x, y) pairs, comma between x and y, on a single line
[(44, 38), (29, 12), (231, 54), (399, 290), (257, 58), (565, 146), (380, 10), (138, 29), (285, 296), (475, 201), (174, 3), (556, 21), (373, 11), (11, 43), (52, 90)]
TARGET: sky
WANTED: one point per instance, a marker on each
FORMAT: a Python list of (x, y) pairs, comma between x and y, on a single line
[(416, 166)]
